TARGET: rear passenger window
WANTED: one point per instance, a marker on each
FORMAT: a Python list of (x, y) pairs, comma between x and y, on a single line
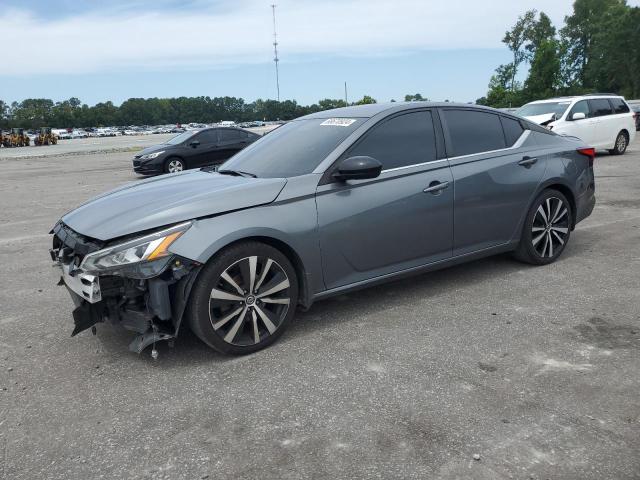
[(404, 140), (619, 106), (600, 107), (472, 131), (512, 130), (230, 134)]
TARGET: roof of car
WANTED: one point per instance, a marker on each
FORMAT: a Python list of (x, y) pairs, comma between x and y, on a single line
[(573, 97), (368, 111)]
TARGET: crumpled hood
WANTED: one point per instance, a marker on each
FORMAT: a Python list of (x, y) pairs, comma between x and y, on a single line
[(169, 199), (541, 119)]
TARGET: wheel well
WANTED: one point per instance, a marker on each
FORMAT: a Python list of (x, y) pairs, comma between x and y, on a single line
[(566, 191), (626, 133), (292, 256)]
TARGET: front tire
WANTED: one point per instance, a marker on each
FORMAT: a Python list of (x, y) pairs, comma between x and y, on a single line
[(243, 299), (622, 142), (174, 165), (547, 229)]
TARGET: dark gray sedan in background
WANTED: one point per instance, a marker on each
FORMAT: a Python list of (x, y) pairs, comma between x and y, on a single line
[(193, 149), (328, 203)]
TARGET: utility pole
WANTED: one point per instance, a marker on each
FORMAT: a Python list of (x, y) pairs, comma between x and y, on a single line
[(275, 49), (346, 100)]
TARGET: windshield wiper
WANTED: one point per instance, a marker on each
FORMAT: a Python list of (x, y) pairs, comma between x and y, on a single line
[(237, 173)]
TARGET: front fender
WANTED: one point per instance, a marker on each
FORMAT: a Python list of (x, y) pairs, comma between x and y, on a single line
[(293, 223)]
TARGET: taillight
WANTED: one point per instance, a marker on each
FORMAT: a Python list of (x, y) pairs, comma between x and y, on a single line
[(588, 152)]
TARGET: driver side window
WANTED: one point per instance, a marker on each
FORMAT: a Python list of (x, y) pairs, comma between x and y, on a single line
[(581, 107), (208, 137)]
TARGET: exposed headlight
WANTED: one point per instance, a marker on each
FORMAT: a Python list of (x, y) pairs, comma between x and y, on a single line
[(144, 249), (149, 156)]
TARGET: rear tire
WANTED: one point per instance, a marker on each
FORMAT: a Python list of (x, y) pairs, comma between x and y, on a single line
[(622, 142), (546, 230), (243, 299)]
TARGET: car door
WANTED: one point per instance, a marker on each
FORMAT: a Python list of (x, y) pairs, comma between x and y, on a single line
[(495, 172), (231, 141), (203, 147), (584, 128), (399, 220), (605, 122)]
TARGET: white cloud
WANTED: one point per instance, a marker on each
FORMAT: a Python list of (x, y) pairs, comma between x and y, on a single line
[(240, 32)]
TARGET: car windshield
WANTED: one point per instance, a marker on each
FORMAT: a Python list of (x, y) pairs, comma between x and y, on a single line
[(533, 109), (181, 138), (293, 149)]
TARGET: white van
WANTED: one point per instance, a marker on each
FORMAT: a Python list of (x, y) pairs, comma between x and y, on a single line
[(601, 120)]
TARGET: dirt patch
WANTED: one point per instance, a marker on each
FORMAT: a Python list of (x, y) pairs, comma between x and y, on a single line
[(604, 334)]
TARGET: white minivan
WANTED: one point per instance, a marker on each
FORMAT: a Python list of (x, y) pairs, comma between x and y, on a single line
[(604, 121)]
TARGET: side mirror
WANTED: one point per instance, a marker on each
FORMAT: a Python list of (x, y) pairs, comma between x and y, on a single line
[(194, 144), (578, 116), (358, 168)]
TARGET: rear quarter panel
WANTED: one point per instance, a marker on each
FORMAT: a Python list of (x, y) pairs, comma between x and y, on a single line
[(568, 168)]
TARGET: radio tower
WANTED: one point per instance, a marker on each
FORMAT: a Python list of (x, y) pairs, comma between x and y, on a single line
[(275, 49)]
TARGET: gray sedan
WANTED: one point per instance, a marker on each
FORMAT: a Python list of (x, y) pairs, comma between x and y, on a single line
[(330, 202)]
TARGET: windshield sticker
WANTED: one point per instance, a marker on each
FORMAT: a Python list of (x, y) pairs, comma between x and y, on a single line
[(338, 122)]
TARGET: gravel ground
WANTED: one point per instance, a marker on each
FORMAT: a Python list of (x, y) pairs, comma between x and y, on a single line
[(534, 371)]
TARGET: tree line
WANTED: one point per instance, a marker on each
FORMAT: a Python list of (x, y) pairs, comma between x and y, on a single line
[(39, 112), (596, 50)]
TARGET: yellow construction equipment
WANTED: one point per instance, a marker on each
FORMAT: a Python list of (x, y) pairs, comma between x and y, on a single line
[(46, 137), (17, 138)]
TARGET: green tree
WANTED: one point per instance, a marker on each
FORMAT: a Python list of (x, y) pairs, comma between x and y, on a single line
[(415, 98), (515, 40), (544, 74), (540, 31), (329, 104), (4, 115), (33, 113), (583, 30), (366, 100)]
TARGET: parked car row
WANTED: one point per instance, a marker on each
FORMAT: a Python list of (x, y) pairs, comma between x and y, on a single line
[(116, 131)]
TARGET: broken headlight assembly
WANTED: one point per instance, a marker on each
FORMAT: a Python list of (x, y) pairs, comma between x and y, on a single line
[(141, 257)]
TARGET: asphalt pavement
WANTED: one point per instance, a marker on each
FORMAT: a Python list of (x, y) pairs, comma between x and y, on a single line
[(489, 370)]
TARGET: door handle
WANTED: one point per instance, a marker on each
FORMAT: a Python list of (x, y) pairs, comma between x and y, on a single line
[(527, 161), (435, 187)]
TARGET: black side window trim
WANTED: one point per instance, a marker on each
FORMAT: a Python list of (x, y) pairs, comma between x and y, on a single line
[(504, 132), (449, 142)]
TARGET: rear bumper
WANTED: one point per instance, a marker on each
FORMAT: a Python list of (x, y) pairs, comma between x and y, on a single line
[(586, 203)]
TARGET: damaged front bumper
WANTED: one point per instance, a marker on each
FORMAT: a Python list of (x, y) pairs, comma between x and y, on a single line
[(152, 304)]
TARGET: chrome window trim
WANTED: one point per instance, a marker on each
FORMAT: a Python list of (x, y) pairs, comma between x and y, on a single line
[(521, 139), (414, 165), (515, 146)]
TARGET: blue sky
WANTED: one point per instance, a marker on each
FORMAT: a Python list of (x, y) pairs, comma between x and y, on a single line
[(118, 49)]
